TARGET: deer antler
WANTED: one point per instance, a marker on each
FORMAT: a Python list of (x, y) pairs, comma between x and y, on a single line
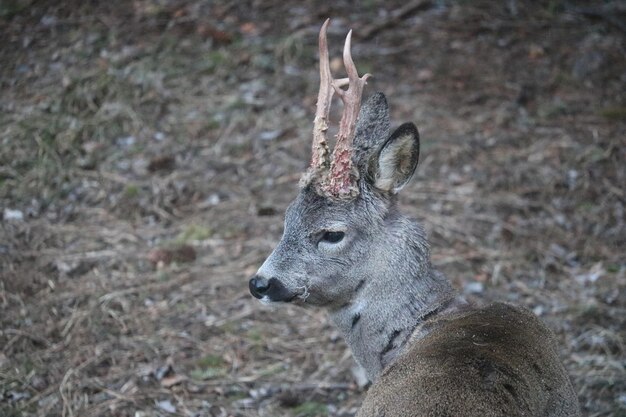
[(341, 180), (320, 156)]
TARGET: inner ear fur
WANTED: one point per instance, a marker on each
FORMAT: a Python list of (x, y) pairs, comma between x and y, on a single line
[(394, 164)]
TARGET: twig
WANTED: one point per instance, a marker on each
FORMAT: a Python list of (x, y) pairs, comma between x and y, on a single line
[(322, 385), (151, 286), (402, 13), (65, 388), (20, 333), (609, 12)]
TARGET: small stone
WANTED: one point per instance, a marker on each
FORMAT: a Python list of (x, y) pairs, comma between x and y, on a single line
[(13, 215), (271, 135), (213, 200), (166, 405), (39, 383), (425, 74), (126, 141), (259, 394), (474, 288), (15, 396)]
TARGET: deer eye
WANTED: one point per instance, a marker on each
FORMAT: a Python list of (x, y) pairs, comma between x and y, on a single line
[(332, 237)]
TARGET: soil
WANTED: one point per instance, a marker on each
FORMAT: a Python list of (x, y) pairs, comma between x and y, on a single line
[(148, 150)]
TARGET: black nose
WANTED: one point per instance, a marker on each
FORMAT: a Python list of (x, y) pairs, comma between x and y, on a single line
[(259, 286)]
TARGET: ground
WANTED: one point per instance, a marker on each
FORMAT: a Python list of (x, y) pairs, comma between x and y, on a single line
[(148, 150)]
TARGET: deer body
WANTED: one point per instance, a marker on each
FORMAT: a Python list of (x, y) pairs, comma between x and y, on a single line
[(346, 247), (495, 361)]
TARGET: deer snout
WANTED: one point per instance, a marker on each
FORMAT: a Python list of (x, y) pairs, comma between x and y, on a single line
[(272, 288), (259, 286)]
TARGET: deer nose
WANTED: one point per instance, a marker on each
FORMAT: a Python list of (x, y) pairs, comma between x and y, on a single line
[(259, 286)]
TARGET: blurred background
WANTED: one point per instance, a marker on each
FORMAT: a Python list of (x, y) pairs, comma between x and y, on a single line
[(149, 148)]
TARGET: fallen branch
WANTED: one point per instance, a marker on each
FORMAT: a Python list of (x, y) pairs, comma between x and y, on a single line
[(396, 16)]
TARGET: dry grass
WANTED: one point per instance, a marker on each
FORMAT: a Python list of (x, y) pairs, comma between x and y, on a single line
[(151, 149)]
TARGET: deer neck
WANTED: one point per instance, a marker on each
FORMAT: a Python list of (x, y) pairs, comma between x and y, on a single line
[(389, 305)]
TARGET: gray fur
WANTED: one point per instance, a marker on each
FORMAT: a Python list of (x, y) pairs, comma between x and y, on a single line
[(393, 307)]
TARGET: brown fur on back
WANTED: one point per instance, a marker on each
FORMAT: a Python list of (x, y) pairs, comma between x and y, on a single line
[(496, 361)]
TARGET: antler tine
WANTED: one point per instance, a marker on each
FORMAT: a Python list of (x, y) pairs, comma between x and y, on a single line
[(342, 181), (320, 153), (353, 75)]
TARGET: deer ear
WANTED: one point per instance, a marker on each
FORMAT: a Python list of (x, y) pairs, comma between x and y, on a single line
[(394, 164)]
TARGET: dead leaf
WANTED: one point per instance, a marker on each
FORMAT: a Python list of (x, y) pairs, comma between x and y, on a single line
[(162, 163), (536, 51), (170, 381), (266, 211), (180, 13), (425, 74), (249, 28), (180, 254), (219, 36)]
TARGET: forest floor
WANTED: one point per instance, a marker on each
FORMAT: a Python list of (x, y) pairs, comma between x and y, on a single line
[(148, 150)]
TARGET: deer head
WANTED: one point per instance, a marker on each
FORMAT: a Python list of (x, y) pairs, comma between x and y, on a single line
[(341, 229)]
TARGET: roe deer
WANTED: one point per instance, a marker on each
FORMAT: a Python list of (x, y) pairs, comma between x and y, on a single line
[(347, 248)]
